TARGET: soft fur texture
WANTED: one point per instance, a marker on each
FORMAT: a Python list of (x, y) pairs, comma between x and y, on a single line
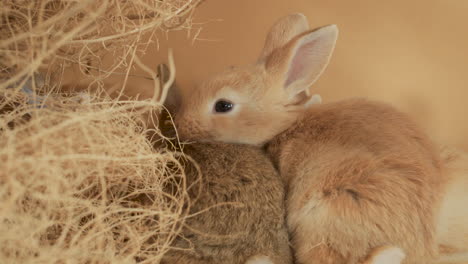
[(239, 208), (360, 174)]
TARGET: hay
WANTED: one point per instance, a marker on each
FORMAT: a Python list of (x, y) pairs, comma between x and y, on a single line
[(100, 38), (80, 180)]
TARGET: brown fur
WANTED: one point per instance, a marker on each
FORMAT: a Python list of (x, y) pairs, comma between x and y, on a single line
[(246, 215), (360, 174)]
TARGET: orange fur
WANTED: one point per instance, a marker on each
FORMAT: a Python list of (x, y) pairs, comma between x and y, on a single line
[(360, 174)]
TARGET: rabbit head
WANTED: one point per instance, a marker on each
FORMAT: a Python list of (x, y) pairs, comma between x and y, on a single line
[(254, 103)]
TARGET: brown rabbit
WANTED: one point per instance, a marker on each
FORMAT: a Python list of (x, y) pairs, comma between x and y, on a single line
[(238, 207), (360, 174)]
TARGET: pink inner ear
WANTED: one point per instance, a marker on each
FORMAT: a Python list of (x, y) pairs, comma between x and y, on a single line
[(300, 66)]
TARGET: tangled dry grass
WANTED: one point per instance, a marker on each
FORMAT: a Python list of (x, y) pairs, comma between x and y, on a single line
[(80, 180), (100, 38)]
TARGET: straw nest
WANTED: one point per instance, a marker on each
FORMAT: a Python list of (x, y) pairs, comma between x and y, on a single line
[(80, 180)]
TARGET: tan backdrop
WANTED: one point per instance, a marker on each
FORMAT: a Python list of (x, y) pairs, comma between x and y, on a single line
[(413, 54)]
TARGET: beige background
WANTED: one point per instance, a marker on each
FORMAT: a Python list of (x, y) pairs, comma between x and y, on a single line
[(413, 54)]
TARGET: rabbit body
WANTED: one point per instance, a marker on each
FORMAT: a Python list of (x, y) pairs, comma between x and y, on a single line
[(238, 207), (360, 175)]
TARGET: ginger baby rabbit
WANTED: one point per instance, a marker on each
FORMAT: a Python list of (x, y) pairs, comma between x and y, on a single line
[(360, 174)]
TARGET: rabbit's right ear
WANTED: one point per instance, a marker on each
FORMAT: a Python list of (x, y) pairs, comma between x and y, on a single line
[(285, 29), (299, 63)]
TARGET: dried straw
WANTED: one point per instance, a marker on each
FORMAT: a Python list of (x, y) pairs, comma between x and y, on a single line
[(80, 180), (81, 183), (100, 38)]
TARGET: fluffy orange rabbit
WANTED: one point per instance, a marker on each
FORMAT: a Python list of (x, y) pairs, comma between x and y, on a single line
[(360, 174)]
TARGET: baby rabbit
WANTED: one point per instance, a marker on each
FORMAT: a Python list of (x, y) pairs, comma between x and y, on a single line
[(237, 206), (360, 174)]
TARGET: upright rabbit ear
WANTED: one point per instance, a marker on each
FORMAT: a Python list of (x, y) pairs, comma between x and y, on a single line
[(299, 63), (285, 29), (173, 97)]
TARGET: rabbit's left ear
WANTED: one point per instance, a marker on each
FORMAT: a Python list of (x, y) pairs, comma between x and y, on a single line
[(284, 29), (172, 101), (301, 61)]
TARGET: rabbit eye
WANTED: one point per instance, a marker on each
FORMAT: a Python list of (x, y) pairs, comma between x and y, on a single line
[(223, 106)]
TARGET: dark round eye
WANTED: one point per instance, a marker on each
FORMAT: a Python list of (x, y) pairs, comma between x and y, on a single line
[(223, 106)]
